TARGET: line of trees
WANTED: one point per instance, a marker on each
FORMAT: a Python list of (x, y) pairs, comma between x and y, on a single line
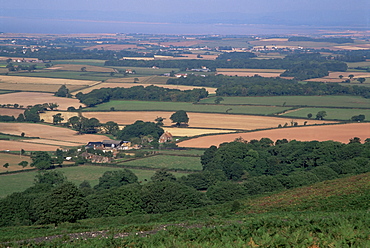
[(260, 86), (149, 93)]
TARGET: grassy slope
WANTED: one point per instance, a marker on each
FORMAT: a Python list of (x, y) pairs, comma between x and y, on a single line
[(290, 217), (332, 113)]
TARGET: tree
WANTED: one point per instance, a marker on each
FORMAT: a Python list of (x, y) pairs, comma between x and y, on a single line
[(226, 191), (83, 124), (111, 127), (140, 129), (351, 76), (52, 178), (159, 121), (218, 100), (320, 115), (63, 91), (64, 204), (180, 117), (309, 115), (136, 80), (41, 160), (340, 76), (83, 69), (163, 175), (361, 80), (6, 165), (358, 118), (57, 118), (52, 106), (20, 118), (112, 179), (23, 164)]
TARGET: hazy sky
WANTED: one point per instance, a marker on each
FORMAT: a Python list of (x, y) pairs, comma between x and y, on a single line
[(60, 16)]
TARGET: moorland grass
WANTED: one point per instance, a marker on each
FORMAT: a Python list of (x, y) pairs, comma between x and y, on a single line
[(189, 107), (314, 101)]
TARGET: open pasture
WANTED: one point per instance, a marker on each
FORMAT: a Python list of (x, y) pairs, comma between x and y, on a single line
[(250, 72), (95, 62), (167, 162), (317, 101), (174, 106), (332, 113), (199, 120), (13, 160), (32, 98), (52, 133), (78, 67), (145, 71), (77, 174), (341, 133), (145, 80)]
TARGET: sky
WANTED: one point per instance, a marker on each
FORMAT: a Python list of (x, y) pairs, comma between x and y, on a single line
[(179, 16)]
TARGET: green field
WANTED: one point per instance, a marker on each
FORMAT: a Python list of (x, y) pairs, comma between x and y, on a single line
[(174, 106), (96, 62), (168, 162), (145, 71), (358, 64), (315, 101), (5, 91), (332, 113), (19, 182), (93, 76)]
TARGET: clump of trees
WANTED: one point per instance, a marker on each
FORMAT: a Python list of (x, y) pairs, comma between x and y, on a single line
[(149, 93), (180, 117), (63, 91)]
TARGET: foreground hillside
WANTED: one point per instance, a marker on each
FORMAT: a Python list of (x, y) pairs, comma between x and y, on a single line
[(328, 214)]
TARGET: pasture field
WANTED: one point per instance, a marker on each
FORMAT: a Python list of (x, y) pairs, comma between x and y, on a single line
[(189, 132), (154, 79), (317, 101), (13, 160), (222, 122), (167, 162), (114, 47), (77, 67), (93, 62), (74, 75), (5, 91), (174, 106), (341, 133), (47, 132), (332, 113), (77, 174), (144, 82), (145, 71), (334, 76), (250, 72), (32, 98), (49, 88), (358, 64), (28, 79)]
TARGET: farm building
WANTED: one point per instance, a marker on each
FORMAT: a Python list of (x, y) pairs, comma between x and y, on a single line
[(109, 145), (165, 137)]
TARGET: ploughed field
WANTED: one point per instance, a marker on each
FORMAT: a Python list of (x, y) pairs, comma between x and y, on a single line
[(341, 133)]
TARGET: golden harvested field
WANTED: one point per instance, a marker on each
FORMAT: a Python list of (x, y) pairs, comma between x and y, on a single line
[(199, 120), (250, 72), (341, 133), (11, 111), (32, 98), (129, 85), (52, 133), (37, 87), (40, 80), (193, 131), (18, 145), (354, 47), (50, 142), (13, 161), (72, 67)]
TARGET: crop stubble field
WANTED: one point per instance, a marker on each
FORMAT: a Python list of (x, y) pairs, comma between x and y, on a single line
[(341, 133), (32, 98)]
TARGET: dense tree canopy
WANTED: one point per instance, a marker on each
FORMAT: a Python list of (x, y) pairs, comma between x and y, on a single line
[(140, 129)]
